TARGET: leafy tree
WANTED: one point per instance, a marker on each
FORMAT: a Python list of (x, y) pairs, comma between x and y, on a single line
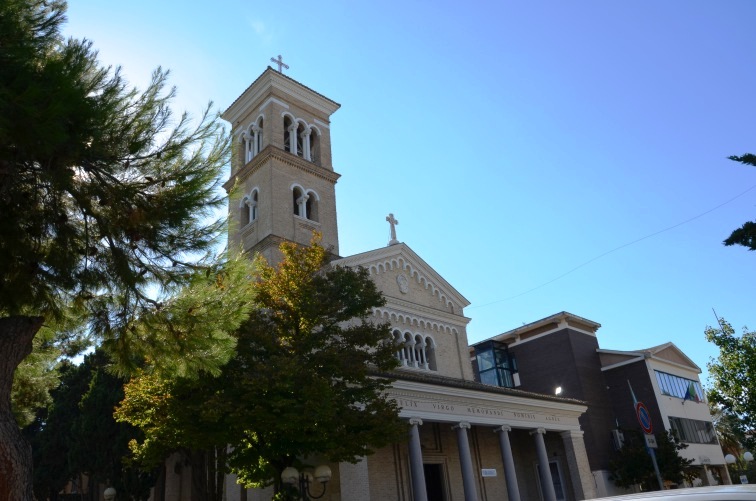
[(632, 463), (38, 373), (746, 234), (728, 429), (300, 386), (733, 375), (108, 205), (77, 434)]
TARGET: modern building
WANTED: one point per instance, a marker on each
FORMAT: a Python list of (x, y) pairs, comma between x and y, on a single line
[(666, 380), (560, 354), (466, 440)]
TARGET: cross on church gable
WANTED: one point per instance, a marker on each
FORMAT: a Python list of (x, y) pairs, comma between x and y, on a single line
[(392, 222), (280, 63)]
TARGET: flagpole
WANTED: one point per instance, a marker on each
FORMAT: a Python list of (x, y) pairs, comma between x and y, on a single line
[(648, 449)]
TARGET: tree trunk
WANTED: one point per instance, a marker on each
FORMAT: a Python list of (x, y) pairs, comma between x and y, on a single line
[(16, 334)]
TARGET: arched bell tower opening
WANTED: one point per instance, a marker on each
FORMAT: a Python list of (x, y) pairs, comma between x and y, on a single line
[(282, 182)]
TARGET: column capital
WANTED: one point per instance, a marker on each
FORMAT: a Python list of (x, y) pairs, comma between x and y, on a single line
[(505, 429), (415, 421), (462, 424), (539, 431), (293, 127)]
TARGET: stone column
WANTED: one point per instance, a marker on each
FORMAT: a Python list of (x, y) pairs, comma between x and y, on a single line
[(306, 144), (465, 462), (416, 462), (293, 138), (513, 491), (411, 352), (255, 140), (547, 483), (302, 204), (577, 462), (245, 141)]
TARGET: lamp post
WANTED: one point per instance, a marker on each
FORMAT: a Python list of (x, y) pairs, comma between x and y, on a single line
[(291, 476), (747, 458)]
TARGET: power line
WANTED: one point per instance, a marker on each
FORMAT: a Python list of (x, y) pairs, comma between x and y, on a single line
[(544, 284)]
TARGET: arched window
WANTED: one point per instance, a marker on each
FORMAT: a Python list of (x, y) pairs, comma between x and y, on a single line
[(430, 353), (287, 123), (399, 342), (409, 353), (305, 203), (300, 140), (300, 202), (244, 141), (419, 352), (314, 142), (293, 135), (311, 206), (252, 140), (244, 211), (253, 206), (415, 351), (248, 208)]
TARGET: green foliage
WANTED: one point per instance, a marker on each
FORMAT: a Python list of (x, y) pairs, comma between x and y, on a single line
[(192, 331), (110, 204), (77, 434), (38, 373), (34, 379), (299, 385), (632, 464), (733, 375), (746, 234), (728, 428), (107, 196)]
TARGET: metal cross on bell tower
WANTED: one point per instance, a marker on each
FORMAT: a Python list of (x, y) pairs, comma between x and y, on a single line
[(280, 63)]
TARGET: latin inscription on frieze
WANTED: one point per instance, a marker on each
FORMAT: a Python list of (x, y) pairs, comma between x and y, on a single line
[(406, 403), (461, 410), (485, 412), (524, 415)]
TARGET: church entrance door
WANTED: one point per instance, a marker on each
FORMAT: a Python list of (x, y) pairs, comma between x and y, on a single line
[(434, 481)]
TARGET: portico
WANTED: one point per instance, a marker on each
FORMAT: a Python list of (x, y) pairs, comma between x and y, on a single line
[(479, 442)]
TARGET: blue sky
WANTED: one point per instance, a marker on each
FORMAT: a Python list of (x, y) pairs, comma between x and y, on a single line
[(514, 141)]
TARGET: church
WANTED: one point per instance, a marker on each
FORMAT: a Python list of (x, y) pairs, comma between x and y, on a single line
[(466, 440)]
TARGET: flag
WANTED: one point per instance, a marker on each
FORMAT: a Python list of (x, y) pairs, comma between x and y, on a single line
[(691, 394)]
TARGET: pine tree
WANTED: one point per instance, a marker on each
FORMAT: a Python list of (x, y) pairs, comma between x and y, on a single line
[(107, 201), (746, 234)]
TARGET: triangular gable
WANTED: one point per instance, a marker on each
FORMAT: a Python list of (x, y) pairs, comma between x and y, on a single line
[(400, 258), (671, 353)]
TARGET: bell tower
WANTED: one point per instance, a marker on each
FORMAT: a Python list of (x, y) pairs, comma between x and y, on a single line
[(282, 182)]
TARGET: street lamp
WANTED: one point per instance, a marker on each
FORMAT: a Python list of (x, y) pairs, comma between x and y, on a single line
[(291, 476), (747, 458)]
